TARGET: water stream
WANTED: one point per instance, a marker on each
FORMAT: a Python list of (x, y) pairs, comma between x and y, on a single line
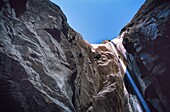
[(136, 99)]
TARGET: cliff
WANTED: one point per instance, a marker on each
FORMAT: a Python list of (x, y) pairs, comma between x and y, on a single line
[(146, 41), (46, 66)]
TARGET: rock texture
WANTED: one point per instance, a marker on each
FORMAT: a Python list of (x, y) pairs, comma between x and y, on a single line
[(147, 42), (46, 66)]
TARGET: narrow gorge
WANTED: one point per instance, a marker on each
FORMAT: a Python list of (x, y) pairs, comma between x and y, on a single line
[(46, 66)]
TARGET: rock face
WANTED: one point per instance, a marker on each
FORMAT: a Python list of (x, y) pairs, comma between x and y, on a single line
[(46, 66), (147, 42)]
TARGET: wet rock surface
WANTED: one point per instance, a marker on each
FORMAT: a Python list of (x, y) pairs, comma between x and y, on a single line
[(46, 66), (147, 39)]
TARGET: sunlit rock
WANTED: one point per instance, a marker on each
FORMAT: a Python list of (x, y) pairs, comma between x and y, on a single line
[(46, 66)]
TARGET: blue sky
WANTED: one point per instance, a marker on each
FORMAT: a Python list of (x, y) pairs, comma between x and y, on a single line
[(98, 20)]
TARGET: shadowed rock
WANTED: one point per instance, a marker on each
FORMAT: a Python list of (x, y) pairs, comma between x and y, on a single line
[(150, 37), (19, 7)]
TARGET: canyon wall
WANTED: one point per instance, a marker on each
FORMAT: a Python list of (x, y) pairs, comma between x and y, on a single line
[(147, 42), (46, 66)]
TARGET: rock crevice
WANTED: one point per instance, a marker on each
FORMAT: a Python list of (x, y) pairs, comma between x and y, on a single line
[(46, 66)]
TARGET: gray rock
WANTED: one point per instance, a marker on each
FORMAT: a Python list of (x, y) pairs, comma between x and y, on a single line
[(46, 66), (148, 33)]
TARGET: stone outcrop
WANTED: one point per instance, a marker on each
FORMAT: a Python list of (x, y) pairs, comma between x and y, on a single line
[(147, 42), (46, 66)]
